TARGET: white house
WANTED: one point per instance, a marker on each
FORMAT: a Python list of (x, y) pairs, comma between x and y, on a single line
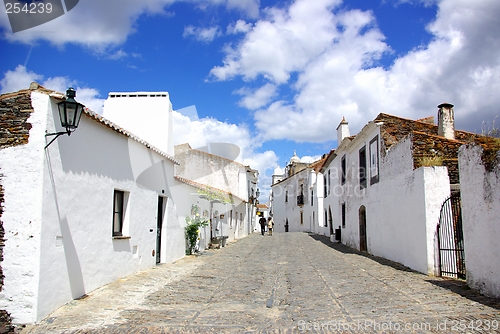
[(379, 202), (86, 210), (296, 195), (234, 183), (383, 190)]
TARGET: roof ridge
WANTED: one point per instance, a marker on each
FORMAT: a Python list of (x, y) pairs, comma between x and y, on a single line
[(203, 186)]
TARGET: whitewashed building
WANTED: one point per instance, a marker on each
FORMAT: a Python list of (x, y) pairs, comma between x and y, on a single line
[(388, 185), (382, 191), (86, 210), (234, 214), (296, 197)]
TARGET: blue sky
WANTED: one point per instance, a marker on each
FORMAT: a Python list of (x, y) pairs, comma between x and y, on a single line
[(271, 76)]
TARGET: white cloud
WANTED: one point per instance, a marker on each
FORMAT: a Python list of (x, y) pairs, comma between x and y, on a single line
[(310, 159), (258, 98), (206, 35), (239, 27), (250, 7), (18, 79), (21, 78), (282, 43), (335, 55), (119, 54), (90, 23)]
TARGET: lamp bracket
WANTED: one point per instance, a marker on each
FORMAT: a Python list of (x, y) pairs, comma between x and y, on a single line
[(56, 134)]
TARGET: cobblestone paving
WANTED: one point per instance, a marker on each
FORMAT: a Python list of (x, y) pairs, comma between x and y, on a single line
[(285, 283)]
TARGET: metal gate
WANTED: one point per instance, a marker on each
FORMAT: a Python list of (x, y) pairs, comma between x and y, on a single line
[(451, 238)]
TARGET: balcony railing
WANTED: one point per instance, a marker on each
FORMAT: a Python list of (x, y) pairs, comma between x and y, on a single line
[(300, 200)]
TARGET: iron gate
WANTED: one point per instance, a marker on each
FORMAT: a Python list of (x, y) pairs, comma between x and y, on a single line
[(451, 238)]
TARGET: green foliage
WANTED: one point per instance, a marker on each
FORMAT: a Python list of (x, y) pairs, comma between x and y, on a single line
[(192, 228)]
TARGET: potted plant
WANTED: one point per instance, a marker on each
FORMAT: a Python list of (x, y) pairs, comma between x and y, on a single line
[(192, 229)]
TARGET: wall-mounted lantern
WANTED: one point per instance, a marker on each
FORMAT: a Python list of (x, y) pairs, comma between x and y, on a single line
[(257, 194), (70, 113), (221, 216)]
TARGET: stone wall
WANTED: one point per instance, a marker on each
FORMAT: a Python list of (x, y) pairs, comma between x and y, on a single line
[(444, 150), (15, 109)]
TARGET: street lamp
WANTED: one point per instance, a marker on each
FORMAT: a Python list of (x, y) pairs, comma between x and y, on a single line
[(70, 113)]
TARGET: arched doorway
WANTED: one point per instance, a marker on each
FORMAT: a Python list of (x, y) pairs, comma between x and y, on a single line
[(362, 228)]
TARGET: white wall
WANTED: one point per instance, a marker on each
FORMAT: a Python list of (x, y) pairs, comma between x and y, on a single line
[(22, 177), (480, 192), (218, 172), (147, 115), (283, 210), (402, 209)]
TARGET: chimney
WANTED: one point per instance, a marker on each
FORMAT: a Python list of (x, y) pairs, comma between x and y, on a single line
[(342, 131), (446, 121)]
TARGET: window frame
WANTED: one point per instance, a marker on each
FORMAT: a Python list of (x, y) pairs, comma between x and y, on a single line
[(374, 178), (343, 166), (120, 204), (343, 209), (362, 167)]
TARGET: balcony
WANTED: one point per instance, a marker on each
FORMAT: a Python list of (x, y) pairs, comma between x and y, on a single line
[(300, 200)]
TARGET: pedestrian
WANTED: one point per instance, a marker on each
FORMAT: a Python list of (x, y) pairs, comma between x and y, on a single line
[(262, 222), (270, 225)]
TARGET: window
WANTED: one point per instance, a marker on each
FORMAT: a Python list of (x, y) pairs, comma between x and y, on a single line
[(325, 223), (301, 217), (329, 179), (362, 167), (286, 196), (312, 197), (325, 190), (343, 215), (300, 198), (118, 212), (231, 218), (343, 167), (374, 164)]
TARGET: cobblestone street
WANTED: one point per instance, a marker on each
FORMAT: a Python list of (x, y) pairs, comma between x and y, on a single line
[(290, 282)]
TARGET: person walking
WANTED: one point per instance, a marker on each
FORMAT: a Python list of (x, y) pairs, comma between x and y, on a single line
[(262, 222), (270, 225)]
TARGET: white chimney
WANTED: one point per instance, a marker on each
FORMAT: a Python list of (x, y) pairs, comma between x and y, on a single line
[(342, 131), (446, 121)]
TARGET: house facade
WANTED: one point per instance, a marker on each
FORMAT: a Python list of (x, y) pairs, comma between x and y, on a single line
[(234, 184), (86, 210), (382, 190), (297, 197), (380, 203)]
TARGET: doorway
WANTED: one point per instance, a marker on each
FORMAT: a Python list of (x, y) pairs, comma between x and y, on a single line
[(362, 228), (159, 226), (330, 220)]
